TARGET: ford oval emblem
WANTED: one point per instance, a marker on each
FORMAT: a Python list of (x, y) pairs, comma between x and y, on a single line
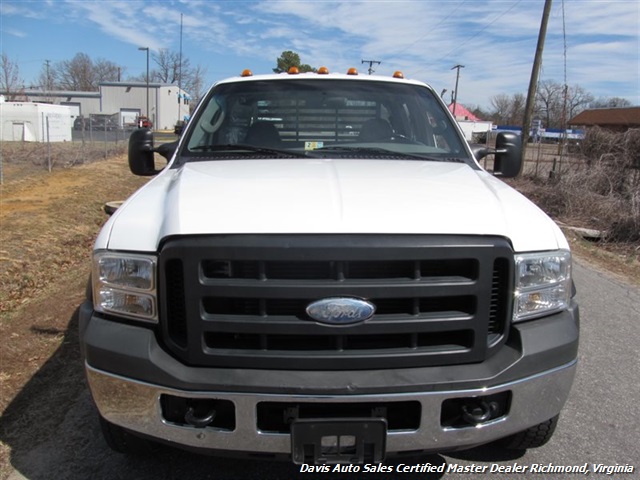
[(340, 310)]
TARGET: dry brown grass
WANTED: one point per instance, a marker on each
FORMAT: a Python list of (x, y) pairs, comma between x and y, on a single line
[(48, 222), (600, 189)]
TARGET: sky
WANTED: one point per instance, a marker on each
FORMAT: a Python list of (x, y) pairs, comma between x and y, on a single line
[(594, 44)]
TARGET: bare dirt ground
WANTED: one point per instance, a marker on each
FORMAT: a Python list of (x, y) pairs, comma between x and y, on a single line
[(48, 222)]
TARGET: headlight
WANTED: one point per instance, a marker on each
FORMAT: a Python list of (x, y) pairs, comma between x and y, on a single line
[(125, 284), (543, 284)]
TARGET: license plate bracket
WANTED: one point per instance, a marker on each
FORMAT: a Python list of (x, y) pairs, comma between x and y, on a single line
[(338, 440)]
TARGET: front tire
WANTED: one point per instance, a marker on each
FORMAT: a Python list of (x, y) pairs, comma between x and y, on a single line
[(121, 441), (533, 437)]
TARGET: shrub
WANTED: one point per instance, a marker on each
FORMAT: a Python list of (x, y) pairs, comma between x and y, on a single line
[(601, 190)]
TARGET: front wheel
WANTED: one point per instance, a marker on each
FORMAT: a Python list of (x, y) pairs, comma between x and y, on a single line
[(533, 437), (121, 441)]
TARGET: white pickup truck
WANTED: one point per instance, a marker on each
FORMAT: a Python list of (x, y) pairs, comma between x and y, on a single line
[(324, 272)]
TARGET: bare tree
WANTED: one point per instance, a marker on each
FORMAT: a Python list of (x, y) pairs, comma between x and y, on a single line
[(610, 102), (10, 82), (518, 104), (169, 70), (501, 105), (194, 83), (106, 71), (508, 109), (478, 111), (82, 74), (578, 99), (76, 74), (549, 101), (557, 103), (47, 80)]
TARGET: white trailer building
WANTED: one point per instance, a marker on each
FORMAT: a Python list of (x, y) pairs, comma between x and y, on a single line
[(34, 122)]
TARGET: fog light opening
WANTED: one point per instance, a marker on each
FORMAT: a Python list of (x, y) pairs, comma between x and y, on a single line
[(468, 412), (198, 412)]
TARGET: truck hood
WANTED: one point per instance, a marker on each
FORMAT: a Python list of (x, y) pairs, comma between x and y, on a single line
[(323, 196)]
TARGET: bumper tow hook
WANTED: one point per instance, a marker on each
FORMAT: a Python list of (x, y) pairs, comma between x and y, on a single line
[(199, 422), (478, 412)]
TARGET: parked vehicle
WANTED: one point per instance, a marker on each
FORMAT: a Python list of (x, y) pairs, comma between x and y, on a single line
[(324, 272), (178, 127), (95, 122), (144, 122)]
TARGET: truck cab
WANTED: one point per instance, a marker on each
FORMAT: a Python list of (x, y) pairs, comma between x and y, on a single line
[(324, 272)]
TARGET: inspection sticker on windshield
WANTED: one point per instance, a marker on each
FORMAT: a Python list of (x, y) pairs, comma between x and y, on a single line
[(313, 145)]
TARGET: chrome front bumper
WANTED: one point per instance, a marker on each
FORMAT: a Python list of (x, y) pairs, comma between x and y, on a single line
[(136, 406)]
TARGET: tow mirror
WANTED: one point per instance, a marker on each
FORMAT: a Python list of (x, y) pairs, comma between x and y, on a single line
[(508, 155), (141, 153), (141, 150)]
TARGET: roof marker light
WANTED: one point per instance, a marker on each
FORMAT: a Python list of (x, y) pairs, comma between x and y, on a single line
[(246, 73), (293, 71), (398, 74), (352, 71), (323, 71)]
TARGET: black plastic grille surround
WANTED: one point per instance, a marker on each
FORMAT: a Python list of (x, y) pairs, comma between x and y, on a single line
[(239, 301)]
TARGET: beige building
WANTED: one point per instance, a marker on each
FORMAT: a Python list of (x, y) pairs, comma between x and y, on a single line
[(163, 103)]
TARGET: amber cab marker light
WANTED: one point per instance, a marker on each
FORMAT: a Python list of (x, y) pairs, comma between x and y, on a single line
[(246, 73), (293, 71), (398, 74), (323, 71), (352, 71)]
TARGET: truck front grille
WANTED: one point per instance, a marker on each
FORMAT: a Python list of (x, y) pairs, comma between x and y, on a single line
[(240, 300)]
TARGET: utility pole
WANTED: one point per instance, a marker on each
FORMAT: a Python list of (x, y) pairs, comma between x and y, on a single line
[(48, 85), (371, 62), (180, 74), (455, 92), (533, 82)]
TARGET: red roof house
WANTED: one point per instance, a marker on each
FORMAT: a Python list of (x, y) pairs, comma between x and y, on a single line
[(463, 114)]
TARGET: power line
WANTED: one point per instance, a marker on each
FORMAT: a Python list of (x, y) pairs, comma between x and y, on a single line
[(472, 37), (432, 28), (479, 32)]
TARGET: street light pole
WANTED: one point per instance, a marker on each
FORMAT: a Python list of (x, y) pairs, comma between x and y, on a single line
[(147, 50), (455, 92)]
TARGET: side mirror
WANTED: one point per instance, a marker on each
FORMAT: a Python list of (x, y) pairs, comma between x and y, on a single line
[(167, 149), (508, 155), (141, 161), (141, 153), (480, 151)]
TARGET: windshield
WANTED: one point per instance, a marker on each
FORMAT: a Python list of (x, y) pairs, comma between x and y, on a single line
[(306, 117)]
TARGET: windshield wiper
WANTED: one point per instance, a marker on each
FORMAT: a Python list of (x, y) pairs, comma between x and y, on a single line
[(233, 147), (374, 150)]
